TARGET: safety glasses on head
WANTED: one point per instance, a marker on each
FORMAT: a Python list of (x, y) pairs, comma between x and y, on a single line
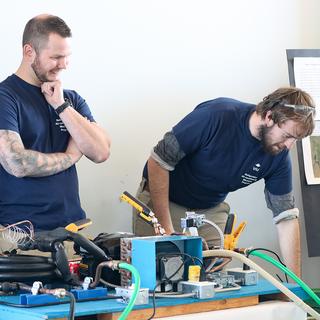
[(301, 108)]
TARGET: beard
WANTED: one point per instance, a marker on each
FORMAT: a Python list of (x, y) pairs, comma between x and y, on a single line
[(266, 141), (41, 74)]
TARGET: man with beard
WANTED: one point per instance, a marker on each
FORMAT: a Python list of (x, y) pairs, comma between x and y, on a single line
[(44, 131), (224, 145)]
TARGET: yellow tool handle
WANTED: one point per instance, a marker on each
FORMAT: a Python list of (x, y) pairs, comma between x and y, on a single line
[(78, 225), (145, 217), (132, 202), (239, 229), (143, 210), (228, 241)]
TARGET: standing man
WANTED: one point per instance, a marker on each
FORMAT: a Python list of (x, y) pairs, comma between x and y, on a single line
[(224, 145), (44, 131)]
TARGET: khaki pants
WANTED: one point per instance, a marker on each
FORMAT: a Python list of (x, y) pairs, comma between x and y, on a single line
[(217, 214)]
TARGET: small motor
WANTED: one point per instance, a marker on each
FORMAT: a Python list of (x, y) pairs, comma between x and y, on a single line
[(170, 265)]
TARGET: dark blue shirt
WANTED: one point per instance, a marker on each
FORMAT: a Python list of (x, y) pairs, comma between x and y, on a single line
[(48, 202), (222, 156)]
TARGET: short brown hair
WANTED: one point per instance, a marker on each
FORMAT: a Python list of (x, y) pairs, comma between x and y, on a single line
[(290, 104), (38, 29)]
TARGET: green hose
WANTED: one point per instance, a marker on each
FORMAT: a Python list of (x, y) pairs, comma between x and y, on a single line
[(136, 276), (303, 285)]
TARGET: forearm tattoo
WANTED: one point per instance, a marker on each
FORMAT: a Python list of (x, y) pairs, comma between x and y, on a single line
[(18, 161)]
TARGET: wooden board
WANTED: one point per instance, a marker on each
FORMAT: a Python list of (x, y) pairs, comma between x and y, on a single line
[(110, 309), (186, 308)]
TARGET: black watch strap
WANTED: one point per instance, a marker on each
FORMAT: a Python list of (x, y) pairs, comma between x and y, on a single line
[(65, 105)]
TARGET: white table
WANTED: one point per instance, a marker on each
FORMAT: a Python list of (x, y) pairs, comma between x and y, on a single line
[(270, 310)]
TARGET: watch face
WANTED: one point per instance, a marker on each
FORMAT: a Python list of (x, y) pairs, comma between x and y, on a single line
[(65, 105), (69, 101)]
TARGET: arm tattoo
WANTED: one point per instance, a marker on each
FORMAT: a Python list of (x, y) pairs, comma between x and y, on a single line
[(18, 161)]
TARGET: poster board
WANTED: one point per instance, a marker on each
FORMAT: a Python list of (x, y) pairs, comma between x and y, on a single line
[(304, 72)]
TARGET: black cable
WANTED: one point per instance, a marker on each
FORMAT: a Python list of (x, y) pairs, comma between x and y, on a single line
[(18, 305), (173, 254), (154, 301), (267, 250), (180, 267), (171, 276), (279, 278), (154, 289), (270, 251), (202, 269), (182, 254), (72, 305)]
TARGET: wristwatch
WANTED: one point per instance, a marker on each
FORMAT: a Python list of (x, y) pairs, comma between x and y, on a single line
[(65, 105)]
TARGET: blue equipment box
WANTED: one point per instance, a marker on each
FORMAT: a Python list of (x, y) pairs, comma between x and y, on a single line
[(144, 251)]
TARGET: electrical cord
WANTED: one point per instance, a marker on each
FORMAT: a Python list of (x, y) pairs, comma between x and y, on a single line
[(175, 296), (18, 305), (280, 278), (155, 294), (268, 250), (154, 301), (221, 235), (291, 274), (264, 274), (72, 305), (159, 284)]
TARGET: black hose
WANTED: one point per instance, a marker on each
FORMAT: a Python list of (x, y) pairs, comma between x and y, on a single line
[(22, 258), (72, 305), (19, 267), (26, 268)]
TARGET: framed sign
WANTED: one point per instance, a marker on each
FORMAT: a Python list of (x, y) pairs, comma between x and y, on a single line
[(304, 73)]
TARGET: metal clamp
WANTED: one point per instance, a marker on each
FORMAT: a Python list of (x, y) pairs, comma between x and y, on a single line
[(86, 283), (36, 286)]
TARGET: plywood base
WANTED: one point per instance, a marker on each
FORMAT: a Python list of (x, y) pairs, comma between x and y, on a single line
[(186, 308)]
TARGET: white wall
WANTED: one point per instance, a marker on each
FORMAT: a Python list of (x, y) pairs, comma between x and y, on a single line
[(144, 64)]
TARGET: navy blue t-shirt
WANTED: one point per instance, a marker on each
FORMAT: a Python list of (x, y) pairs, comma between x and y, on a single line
[(48, 202), (222, 156)]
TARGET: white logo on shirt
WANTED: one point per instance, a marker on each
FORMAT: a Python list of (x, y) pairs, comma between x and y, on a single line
[(61, 125), (256, 167), (248, 179)]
